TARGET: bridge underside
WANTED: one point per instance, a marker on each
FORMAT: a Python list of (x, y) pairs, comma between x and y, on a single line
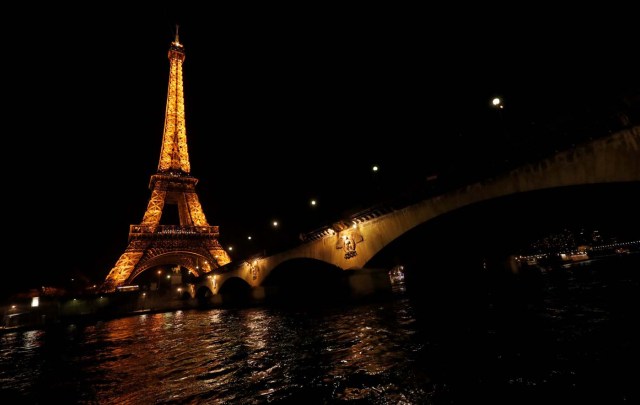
[(303, 277)]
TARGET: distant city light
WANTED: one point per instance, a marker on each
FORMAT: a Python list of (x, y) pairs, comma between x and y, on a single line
[(275, 223), (313, 202), (497, 102), (230, 247), (375, 168), (249, 237)]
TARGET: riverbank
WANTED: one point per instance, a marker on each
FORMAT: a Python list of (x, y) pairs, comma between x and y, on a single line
[(44, 312), (52, 311)]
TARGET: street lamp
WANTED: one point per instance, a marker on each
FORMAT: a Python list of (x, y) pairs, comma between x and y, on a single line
[(498, 104)]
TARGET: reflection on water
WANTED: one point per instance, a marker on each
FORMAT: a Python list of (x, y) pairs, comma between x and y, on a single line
[(391, 351), (248, 355)]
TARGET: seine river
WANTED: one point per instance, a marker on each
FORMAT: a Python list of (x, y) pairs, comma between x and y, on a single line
[(567, 335)]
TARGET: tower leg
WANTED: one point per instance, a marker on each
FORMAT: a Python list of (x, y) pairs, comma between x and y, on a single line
[(124, 266)]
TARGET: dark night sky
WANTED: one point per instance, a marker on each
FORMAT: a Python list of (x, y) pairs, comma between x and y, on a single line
[(282, 106)]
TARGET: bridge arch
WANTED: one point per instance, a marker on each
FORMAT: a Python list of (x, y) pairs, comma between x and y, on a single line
[(203, 295), (505, 224), (235, 290)]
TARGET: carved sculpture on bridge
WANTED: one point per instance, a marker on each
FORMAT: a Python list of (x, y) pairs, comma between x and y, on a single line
[(348, 241)]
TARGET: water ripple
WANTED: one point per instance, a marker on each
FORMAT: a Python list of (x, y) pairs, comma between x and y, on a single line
[(380, 353)]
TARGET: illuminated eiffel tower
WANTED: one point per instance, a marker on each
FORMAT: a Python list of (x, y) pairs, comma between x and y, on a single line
[(192, 244)]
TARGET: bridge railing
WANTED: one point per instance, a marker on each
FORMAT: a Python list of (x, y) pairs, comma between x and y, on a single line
[(356, 218)]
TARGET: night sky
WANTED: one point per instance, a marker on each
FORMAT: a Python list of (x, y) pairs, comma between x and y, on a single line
[(282, 106)]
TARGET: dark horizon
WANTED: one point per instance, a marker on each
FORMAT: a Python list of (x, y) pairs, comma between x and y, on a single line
[(495, 228)]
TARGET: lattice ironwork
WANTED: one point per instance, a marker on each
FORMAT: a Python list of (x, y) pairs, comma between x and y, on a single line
[(193, 243), (174, 154)]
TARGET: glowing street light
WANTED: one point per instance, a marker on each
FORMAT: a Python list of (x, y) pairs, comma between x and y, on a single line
[(498, 104), (248, 237), (375, 168), (313, 202), (275, 224)]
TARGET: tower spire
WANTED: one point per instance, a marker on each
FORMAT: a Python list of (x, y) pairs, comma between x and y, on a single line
[(174, 156)]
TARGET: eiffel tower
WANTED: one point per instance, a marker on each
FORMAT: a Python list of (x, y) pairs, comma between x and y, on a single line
[(192, 244)]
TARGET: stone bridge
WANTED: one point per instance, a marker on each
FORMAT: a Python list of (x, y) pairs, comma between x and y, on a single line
[(351, 244)]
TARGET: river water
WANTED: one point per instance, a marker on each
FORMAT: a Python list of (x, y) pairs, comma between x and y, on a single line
[(572, 340)]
